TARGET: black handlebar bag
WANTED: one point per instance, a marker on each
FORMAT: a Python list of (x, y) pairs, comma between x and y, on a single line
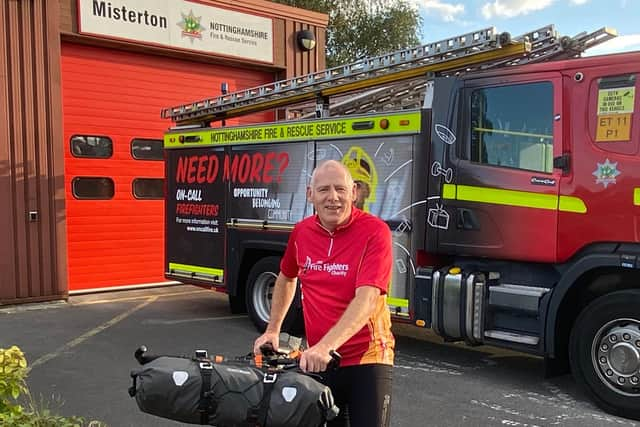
[(230, 394)]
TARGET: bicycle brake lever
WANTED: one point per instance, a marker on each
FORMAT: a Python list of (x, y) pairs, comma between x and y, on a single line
[(267, 349), (334, 363)]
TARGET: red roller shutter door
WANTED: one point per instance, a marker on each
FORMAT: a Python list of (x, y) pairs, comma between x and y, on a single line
[(119, 95)]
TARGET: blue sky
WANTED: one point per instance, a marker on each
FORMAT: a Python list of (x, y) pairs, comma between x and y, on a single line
[(448, 18)]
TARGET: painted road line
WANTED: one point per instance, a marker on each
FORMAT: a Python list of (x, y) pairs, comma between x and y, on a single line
[(198, 319), (82, 338), (141, 286), (139, 297)]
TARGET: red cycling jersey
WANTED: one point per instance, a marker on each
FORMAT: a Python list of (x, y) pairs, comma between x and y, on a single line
[(330, 266)]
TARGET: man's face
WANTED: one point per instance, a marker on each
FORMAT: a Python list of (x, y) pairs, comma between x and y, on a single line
[(332, 195)]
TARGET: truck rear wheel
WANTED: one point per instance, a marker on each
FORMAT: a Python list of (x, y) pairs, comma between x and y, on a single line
[(604, 351), (259, 291)]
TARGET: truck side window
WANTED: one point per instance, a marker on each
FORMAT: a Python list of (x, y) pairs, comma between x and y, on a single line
[(92, 188), (613, 115), (148, 188), (146, 149), (512, 126), (100, 147)]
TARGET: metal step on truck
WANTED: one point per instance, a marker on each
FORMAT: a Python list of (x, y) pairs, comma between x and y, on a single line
[(508, 170)]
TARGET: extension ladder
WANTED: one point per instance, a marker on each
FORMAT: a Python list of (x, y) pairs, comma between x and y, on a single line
[(464, 53)]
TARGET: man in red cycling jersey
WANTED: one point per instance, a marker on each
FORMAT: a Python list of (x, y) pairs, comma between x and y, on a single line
[(343, 258)]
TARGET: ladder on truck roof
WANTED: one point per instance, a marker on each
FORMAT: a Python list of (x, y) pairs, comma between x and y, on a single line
[(410, 94), (461, 51), (468, 52)]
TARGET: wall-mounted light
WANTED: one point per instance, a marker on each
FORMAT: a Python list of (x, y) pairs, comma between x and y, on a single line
[(306, 39)]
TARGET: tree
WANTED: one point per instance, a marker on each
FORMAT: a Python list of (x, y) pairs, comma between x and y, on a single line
[(362, 28)]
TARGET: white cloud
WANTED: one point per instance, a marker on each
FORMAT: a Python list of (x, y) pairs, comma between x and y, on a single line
[(448, 12), (579, 2), (511, 8), (618, 44)]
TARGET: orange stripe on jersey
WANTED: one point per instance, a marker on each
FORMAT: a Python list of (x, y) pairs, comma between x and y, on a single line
[(381, 346)]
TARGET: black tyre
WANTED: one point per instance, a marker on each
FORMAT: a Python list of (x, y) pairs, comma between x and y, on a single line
[(604, 351), (259, 290), (237, 304)]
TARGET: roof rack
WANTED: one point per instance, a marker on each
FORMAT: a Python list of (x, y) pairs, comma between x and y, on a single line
[(472, 51), (546, 45)]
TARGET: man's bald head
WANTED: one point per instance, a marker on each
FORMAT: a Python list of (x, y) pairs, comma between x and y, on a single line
[(328, 166)]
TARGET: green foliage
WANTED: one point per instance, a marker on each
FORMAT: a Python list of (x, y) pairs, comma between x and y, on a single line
[(359, 28), (43, 418), (13, 387), (13, 370)]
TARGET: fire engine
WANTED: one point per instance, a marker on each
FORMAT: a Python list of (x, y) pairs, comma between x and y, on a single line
[(508, 170)]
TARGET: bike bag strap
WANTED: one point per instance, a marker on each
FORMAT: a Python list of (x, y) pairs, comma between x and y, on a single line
[(206, 405), (257, 415), (132, 389)]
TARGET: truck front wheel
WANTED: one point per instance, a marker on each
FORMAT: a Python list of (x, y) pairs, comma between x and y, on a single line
[(604, 351), (259, 290)]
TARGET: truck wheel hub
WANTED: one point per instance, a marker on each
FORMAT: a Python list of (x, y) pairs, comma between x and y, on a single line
[(262, 293), (616, 355)]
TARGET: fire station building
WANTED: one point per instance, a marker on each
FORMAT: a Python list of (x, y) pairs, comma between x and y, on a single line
[(82, 84)]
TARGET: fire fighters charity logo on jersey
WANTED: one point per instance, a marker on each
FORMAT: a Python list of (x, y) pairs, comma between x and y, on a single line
[(606, 173), (334, 269), (190, 25)]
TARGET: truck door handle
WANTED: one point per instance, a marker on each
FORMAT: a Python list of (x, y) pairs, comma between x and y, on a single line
[(562, 162), (467, 220)]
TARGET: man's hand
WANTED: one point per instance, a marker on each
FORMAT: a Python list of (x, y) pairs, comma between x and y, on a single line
[(315, 359), (272, 338)]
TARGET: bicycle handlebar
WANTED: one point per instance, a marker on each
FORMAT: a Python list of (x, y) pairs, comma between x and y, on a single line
[(273, 358)]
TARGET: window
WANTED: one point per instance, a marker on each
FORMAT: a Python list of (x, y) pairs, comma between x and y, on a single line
[(148, 188), (92, 188), (613, 117), (146, 149), (512, 126), (100, 147)]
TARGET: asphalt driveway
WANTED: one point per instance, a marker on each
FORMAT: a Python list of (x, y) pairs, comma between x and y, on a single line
[(81, 353)]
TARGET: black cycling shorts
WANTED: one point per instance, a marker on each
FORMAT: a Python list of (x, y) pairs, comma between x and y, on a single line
[(363, 394)]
